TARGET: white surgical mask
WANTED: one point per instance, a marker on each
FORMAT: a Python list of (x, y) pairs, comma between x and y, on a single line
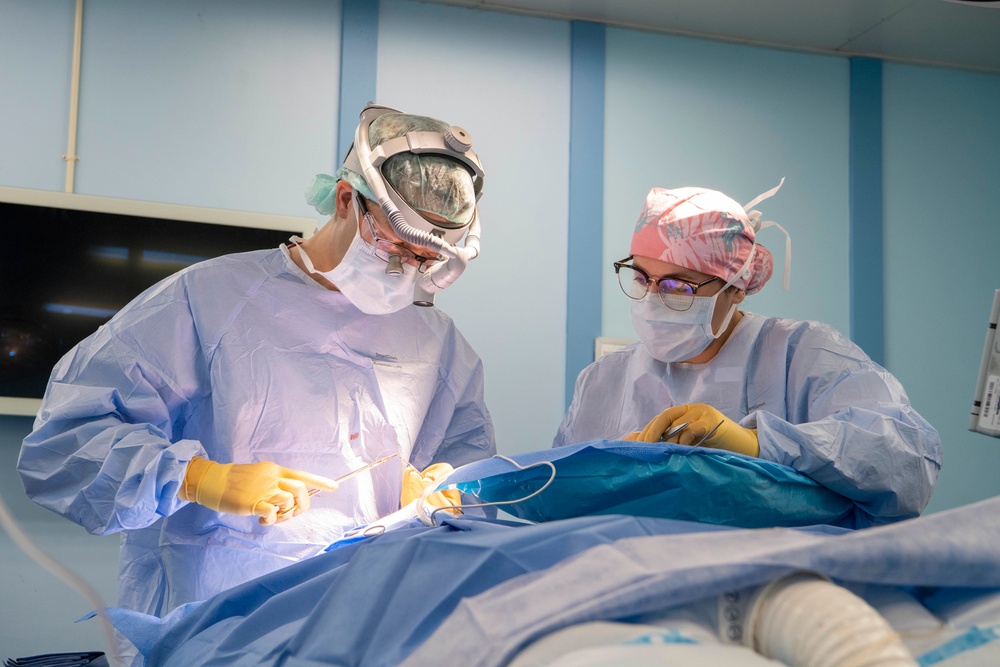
[(360, 276), (670, 335)]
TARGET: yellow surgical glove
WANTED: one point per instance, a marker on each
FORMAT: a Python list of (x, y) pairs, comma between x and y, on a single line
[(251, 489), (415, 482), (701, 419)]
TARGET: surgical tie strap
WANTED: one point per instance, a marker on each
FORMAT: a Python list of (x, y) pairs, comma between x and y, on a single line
[(755, 219)]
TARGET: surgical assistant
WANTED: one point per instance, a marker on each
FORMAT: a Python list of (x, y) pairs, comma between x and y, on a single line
[(198, 418), (704, 372)]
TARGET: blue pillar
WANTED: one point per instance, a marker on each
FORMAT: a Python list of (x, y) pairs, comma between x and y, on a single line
[(586, 197), (358, 64), (866, 232)]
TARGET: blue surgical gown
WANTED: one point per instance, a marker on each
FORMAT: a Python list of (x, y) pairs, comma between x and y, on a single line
[(245, 358), (819, 405)]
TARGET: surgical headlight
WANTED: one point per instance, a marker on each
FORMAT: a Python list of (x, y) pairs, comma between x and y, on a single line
[(455, 144), (412, 227)]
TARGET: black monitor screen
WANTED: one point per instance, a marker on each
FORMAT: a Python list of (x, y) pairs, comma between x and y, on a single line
[(65, 272)]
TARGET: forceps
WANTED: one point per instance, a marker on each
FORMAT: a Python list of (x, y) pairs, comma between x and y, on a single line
[(356, 471), (674, 430)]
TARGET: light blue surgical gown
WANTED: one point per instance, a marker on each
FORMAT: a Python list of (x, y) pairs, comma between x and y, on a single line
[(819, 405), (241, 359)]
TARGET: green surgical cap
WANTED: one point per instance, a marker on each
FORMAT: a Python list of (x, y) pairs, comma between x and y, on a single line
[(429, 183)]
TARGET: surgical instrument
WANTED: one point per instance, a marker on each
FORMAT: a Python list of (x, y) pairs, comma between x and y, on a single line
[(674, 430), (709, 434), (356, 471)]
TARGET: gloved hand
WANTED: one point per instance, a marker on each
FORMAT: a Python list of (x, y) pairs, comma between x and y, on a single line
[(251, 489), (701, 419), (415, 482)]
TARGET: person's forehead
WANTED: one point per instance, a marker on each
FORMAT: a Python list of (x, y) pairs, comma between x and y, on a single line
[(658, 268)]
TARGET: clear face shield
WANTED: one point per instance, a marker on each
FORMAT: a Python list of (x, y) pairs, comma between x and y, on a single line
[(407, 223)]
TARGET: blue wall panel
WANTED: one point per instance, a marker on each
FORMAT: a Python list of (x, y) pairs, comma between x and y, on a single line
[(586, 199), (867, 314), (358, 65)]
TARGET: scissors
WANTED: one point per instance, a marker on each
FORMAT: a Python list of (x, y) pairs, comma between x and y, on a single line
[(356, 471)]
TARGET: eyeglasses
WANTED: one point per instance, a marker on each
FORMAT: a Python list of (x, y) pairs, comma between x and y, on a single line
[(385, 250), (675, 293)]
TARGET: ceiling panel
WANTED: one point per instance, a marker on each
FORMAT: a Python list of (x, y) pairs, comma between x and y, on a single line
[(936, 32)]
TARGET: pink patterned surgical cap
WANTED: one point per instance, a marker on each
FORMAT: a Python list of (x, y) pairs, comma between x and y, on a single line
[(702, 230)]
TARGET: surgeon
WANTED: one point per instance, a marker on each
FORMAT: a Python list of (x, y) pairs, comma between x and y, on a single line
[(209, 419), (705, 372)]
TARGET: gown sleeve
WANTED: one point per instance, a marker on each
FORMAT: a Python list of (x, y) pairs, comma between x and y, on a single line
[(848, 424), (102, 450)]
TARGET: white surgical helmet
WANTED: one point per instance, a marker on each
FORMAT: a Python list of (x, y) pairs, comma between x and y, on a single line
[(429, 183)]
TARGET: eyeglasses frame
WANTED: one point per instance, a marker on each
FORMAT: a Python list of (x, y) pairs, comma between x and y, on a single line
[(406, 254), (621, 263)]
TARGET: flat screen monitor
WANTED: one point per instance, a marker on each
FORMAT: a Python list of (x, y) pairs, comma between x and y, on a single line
[(68, 262)]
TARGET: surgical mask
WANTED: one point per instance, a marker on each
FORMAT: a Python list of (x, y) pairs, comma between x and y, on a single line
[(671, 335), (360, 276)]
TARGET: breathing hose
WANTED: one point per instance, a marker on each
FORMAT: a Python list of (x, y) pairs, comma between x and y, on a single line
[(807, 621)]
